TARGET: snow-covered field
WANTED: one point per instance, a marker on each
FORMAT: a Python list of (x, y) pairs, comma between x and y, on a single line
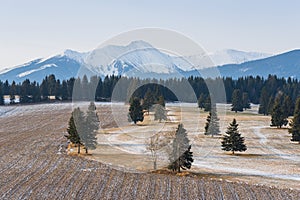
[(34, 163)]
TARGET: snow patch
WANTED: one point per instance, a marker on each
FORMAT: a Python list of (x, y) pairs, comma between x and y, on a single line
[(35, 70)]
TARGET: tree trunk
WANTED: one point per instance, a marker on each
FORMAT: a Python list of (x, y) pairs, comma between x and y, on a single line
[(86, 150), (232, 152), (78, 148)]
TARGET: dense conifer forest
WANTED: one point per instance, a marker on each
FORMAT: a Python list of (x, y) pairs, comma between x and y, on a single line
[(258, 90)]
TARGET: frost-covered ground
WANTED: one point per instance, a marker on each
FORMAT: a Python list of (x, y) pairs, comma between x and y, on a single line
[(34, 163), (269, 149)]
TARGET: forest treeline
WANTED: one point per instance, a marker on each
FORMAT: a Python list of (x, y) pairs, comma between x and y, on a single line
[(259, 90)]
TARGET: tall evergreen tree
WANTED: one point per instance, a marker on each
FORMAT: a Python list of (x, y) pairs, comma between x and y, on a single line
[(135, 110), (295, 124), (161, 101), (236, 100), (264, 101), (270, 105), (207, 104), (91, 126), (181, 156), (212, 126), (1, 94), (73, 135), (79, 120), (201, 101), (232, 140), (159, 113), (288, 106), (148, 100), (13, 92), (279, 118), (246, 101)]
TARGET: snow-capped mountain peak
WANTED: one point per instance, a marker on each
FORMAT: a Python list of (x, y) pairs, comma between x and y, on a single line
[(80, 57), (231, 56), (137, 58)]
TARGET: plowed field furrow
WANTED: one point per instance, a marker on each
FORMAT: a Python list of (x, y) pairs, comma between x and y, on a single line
[(34, 165)]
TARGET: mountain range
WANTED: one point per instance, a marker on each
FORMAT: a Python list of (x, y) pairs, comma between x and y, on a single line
[(141, 59)]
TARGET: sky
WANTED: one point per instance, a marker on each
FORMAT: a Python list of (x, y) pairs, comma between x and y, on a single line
[(35, 29)]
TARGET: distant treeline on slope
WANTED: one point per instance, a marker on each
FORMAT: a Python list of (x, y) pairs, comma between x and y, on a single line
[(95, 88)]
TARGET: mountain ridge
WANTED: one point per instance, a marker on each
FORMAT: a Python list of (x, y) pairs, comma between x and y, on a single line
[(141, 59)]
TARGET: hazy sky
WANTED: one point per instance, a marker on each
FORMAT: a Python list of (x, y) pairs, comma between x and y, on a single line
[(32, 29)]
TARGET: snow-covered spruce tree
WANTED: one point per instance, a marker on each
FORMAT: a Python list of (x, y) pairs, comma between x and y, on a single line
[(73, 133), (181, 156), (159, 113), (295, 124), (91, 126), (212, 126), (232, 140), (135, 110)]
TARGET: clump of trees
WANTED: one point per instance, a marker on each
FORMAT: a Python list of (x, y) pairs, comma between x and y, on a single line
[(181, 156), (232, 140), (135, 110), (204, 102), (82, 128)]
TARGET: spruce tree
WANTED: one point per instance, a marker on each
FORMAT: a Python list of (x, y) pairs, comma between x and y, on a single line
[(288, 106), (279, 118), (159, 113), (270, 105), (1, 95), (212, 126), (295, 124), (236, 100), (201, 101), (181, 156), (232, 140), (73, 135), (136, 111), (246, 101), (79, 120), (148, 100), (264, 101), (91, 126), (161, 101), (207, 104)]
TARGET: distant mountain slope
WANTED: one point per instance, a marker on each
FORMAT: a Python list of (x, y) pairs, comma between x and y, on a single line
[(282, 65), (231, 56), (62, 66), (141, 59)]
